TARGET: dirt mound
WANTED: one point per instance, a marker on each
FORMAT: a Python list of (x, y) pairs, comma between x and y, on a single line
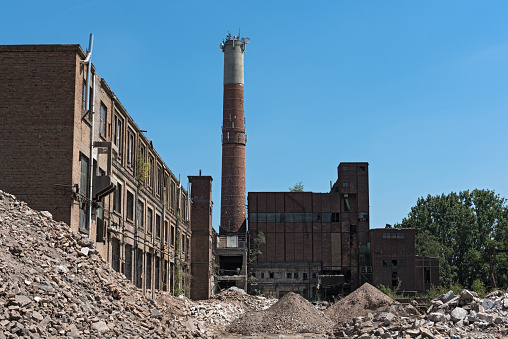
[(291, 314), (364, 300)]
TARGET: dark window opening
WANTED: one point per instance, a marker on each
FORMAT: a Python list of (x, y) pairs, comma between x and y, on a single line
[(117, 199), (157, 226), (102, 125), (295, 275), (270, 275), (362, 168), (427, 275), (305, 276), (335, 217), (149, 220), (288, 275), (262, 275), (130, 206)]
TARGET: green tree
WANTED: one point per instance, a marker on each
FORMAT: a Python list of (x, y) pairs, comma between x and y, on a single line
[(298, 187), (458, 228)]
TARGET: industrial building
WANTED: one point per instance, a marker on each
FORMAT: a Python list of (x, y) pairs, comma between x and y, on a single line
[(69, 146), (316, 243), (395, 263)]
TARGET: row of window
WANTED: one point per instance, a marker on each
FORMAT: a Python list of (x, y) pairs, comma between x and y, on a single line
[(393, 235), (288, 275), (302, 217)]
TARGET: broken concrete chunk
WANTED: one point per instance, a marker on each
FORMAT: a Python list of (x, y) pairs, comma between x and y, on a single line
[(458, 314)]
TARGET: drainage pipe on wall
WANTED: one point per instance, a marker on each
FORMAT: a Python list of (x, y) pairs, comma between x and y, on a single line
[(91, 98)]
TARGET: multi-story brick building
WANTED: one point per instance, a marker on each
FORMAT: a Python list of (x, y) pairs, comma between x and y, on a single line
[(53, 151), (395, 263), (316, 243)]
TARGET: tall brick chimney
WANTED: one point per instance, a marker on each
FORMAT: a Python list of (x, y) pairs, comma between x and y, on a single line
[(233, 192)]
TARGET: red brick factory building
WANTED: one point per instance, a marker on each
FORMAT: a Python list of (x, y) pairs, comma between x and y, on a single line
[(70, 147)]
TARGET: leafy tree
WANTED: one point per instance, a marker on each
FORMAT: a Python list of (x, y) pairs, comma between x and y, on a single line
[(458, 228), (298, 187)]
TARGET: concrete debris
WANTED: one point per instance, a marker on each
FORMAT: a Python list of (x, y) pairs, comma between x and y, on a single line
[(449, 316), (220, 310), (53, 283)]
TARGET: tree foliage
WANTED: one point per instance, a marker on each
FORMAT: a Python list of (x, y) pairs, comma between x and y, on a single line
[(298, 187), (458, 228)]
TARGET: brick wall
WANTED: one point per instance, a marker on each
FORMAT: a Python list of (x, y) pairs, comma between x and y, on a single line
[(37, 113)]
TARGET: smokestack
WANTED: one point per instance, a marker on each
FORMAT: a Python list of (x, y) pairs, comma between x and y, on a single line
[(233, 192)]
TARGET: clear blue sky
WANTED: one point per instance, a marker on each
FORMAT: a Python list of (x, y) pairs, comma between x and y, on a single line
[(417, 89)]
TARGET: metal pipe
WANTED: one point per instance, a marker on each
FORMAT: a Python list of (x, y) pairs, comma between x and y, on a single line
[(89, 97)]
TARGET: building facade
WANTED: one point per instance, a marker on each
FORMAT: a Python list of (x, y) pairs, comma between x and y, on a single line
[(316, 244), (69, 146), (396, 265)]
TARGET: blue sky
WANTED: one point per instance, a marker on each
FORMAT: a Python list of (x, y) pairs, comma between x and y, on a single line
[(417, 89)]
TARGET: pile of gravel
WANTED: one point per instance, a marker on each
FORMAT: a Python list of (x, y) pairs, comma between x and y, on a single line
[(359, 303), (291, 314)]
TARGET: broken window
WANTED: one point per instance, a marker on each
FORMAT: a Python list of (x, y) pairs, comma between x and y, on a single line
[(427, 275), (363, 216), (83, 205), (347, 206), (141, 215), (149, 271), (253, 217), (103, 123), (149, 220), (117, 138), (335, 217), (130, 205), (157, 225), (128, 262), (130, 151), (117, 199), (150, 172)]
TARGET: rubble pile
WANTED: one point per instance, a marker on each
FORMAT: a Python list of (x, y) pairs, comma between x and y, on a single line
[(359, 303), (449, 316), (54, 283), (291, 314), (221, 309)]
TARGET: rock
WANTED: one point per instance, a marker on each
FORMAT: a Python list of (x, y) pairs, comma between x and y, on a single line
[(22, 300), (437, 317), (85, 250), (100, 326), (466, 295), (458, 314), (85, 242), (47, 214)]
